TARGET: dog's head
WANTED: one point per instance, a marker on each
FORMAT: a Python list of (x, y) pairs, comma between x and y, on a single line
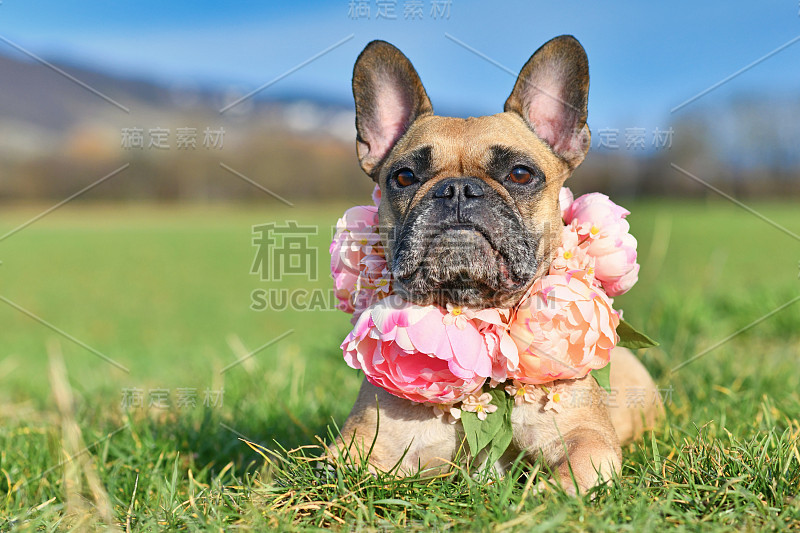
[(469, 210)]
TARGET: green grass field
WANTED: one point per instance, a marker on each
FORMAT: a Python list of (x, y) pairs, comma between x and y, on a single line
[(165, 291)]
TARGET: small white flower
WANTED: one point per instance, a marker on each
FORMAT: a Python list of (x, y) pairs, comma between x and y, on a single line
[(480, 405), (555, 400), (366, 240), (457, 315), (384, 283), (521, 392)]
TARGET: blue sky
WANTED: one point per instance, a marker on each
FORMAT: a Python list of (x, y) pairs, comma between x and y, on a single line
[(645, 57)]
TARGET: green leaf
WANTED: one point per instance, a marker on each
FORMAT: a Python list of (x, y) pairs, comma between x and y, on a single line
[(471, 425), (630, 337), (481, 432), (501, 440), (603, 377)]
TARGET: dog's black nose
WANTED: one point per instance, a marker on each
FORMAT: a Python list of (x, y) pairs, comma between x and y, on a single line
[(458, 188)]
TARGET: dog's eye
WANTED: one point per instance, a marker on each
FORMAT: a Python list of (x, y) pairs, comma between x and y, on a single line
[(520, 175), (405, 177)]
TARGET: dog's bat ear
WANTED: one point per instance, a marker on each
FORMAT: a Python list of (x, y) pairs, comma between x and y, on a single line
[(389, 97), (551, 95)]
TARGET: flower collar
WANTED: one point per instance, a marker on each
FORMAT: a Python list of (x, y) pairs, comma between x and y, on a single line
[(564, 327)]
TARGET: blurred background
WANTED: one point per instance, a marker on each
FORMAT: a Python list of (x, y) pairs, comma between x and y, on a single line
[(142, 142), (175, 88)]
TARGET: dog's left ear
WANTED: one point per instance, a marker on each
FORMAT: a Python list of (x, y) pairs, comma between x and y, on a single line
[(551, 95), (389, 98)]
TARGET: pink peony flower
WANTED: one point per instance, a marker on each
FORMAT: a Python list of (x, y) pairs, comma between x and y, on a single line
[(624, 283), (345, 277), (614, 250), (373, 283), (563, 329), (595, 208), (565, 199), (604, 234), (356, 248), (410, 352), (493, 325)]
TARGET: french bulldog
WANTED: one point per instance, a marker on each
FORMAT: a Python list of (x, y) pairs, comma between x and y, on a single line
[(470, 216)]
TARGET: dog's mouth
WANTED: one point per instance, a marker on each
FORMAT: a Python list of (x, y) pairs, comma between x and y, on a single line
[(462, 265)]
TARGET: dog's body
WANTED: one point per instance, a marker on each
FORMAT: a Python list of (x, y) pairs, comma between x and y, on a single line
[(470, 216)]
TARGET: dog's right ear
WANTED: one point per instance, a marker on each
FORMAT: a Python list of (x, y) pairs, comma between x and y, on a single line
[(551, 95), (389, 98)]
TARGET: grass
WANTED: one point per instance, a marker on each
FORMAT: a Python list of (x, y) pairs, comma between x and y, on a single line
[(166, 292)]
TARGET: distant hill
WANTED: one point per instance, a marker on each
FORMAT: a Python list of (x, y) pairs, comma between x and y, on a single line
[(57, 136), (36, 95)]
